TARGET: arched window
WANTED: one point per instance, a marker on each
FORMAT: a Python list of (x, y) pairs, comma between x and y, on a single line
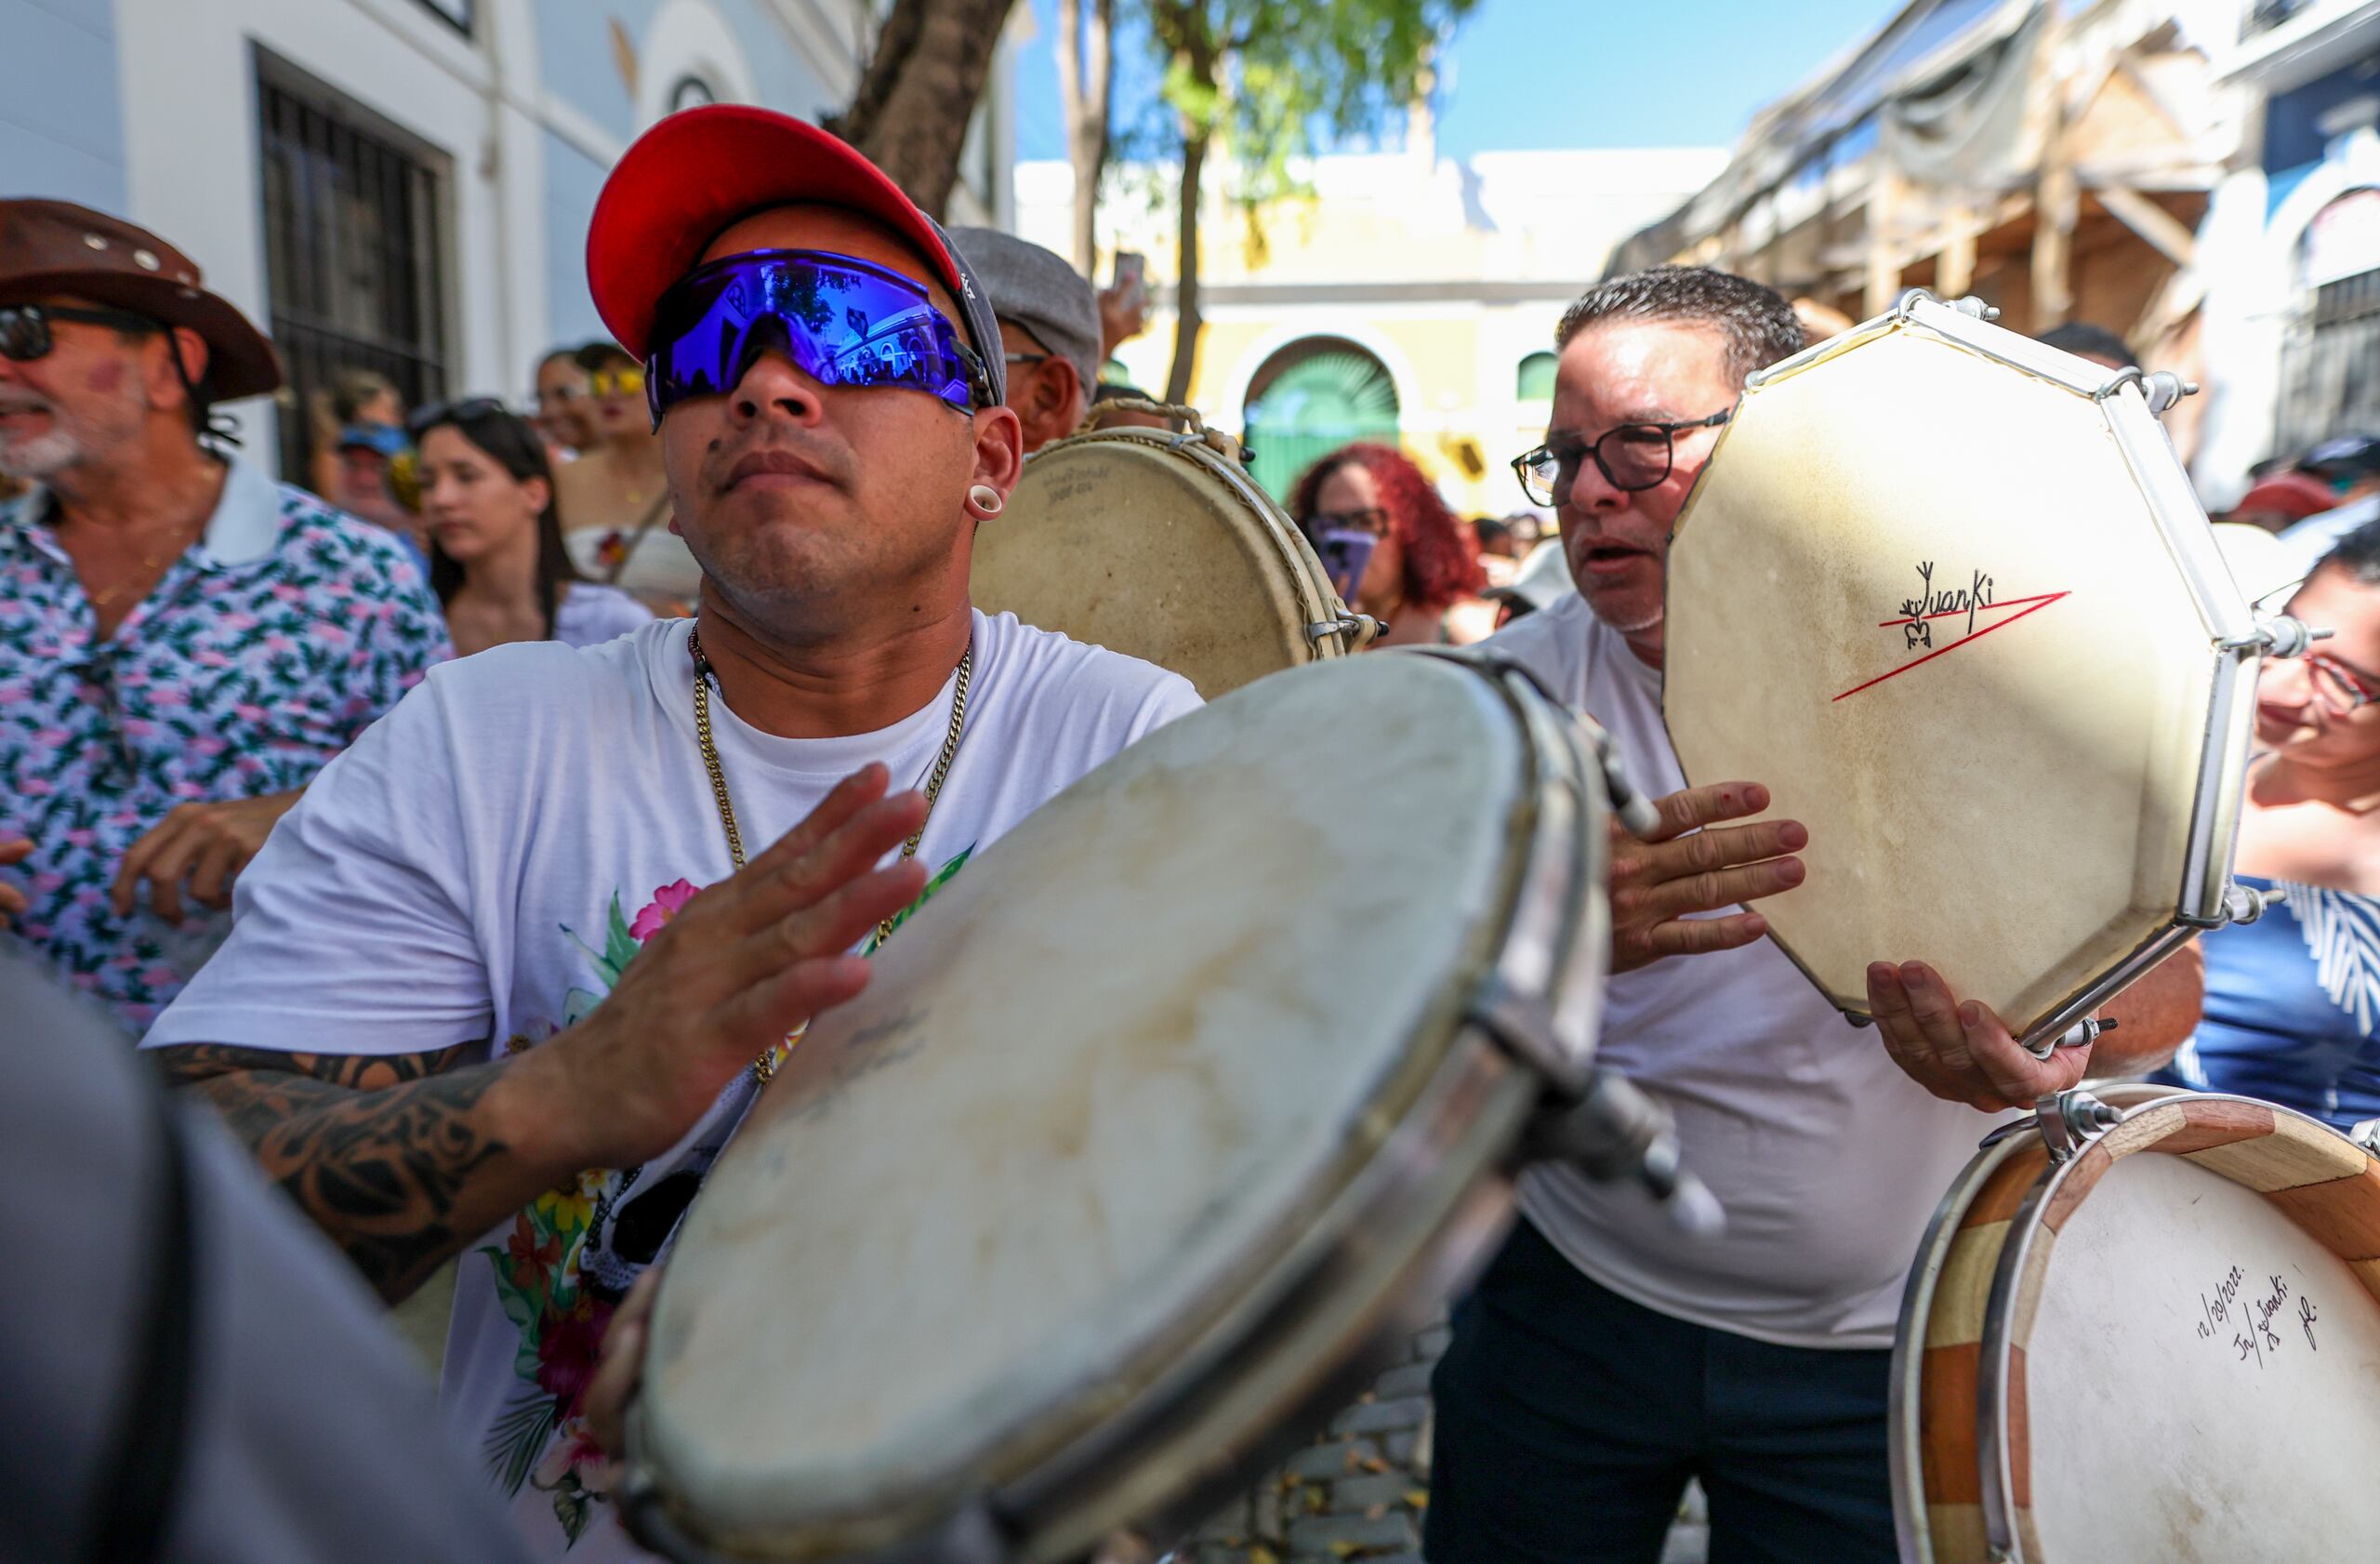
[(1534, 380), (1312, 397)]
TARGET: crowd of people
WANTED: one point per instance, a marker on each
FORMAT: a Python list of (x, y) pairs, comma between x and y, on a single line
[(561, 765)]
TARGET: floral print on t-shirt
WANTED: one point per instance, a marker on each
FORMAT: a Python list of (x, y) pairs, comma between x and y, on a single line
[(573, 1253), (229, 680)]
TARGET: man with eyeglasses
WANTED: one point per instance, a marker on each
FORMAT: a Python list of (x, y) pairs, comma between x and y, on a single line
[(1605, 1359), (1048, 330), (479, 1000), (183, 642)]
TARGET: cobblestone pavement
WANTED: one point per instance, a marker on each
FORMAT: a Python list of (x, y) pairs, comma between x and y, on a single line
[(1358, 1491)]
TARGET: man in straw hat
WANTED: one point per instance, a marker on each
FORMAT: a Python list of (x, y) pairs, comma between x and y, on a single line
[(537, 1029), (184, 642)]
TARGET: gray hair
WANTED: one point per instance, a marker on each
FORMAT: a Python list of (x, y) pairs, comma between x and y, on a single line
[(1758, 327)]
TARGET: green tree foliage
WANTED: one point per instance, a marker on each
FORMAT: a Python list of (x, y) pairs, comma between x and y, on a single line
[(1260, 81)]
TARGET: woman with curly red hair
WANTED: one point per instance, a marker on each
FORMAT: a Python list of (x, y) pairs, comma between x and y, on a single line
[(1423, 577)]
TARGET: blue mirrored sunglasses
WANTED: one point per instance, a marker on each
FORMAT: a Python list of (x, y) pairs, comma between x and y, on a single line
[(840, 319)]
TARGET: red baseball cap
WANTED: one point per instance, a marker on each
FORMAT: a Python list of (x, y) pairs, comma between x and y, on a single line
[(2294, 495), (700, 171)]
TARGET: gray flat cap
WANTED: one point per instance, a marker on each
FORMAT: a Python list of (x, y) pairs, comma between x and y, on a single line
[(1037, 289)]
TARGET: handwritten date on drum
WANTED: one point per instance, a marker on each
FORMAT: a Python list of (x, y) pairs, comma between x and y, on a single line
[(2250, 1320), (1932, 603)]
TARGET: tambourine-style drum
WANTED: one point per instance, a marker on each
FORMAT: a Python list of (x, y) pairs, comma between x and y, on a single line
[(1160, 546), (1191, 1091), (1948, 593), (2145, 1337)]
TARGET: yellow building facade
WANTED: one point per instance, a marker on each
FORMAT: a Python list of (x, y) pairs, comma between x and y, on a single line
[(1406, 297)]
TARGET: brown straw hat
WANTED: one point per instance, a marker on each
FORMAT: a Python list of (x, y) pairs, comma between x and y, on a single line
[(57, 247)]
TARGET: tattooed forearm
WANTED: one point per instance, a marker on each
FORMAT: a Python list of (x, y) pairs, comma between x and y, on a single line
[(397, 1158)]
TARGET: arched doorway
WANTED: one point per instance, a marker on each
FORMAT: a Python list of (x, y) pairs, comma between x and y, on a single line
[(1309, 399)]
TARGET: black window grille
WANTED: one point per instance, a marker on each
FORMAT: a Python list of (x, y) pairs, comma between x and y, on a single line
[(2330, 364), (353, 256)]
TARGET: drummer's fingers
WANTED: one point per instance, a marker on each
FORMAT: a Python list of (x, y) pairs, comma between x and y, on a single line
[(1692, 808), (788, 972), (619, 1364), (1636, 863), (1690, 936), (838, 859), (2015, 1074), (1713, 889)]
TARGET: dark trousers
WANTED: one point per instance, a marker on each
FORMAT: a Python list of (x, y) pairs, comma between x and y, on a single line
[(1569, 1419)]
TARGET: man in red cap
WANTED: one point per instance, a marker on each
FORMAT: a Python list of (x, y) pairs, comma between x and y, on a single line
[(183, 642), (552, 983)]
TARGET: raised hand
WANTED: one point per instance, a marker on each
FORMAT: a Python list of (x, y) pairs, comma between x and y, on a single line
[(1686, 867), (741, 965)]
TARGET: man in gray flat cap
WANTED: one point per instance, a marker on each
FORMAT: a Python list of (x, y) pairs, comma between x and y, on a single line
[(1049, 323)]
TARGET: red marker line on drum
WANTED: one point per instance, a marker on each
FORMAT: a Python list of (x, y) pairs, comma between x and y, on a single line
[(2032, 605), (1962, 613)]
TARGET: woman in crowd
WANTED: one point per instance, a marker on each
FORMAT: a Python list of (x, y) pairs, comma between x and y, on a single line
[(561, 404), (497, 561), (2293, 1001), (618, 497), (1423, 578)]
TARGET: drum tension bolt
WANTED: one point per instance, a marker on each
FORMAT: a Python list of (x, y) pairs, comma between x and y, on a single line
[(2280, 636), (2245, 904), (2070, 1121), (2080, 1035)]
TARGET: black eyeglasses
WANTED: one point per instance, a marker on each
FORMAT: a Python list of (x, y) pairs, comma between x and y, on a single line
[(462, 410), (1630, 457), (24, 328)]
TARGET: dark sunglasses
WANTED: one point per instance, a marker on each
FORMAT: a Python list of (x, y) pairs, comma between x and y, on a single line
[(840, 319), (467, 409), (24, 328)]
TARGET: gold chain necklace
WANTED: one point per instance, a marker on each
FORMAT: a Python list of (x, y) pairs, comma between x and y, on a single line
[(764, 1069)]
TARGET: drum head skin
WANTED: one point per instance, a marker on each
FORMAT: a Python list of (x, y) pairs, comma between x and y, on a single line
[(2165, 1352), (1169, 554), (1098, 1084), (1930, 599)]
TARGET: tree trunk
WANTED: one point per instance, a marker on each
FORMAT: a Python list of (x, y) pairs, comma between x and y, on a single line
[(919, 90), (1084, 78), (1186, 321)]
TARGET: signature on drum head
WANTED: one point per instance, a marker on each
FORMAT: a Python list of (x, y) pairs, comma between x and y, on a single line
[(1919, 615), (2253, 1336)]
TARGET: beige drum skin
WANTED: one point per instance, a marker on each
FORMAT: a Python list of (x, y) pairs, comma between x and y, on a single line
[(1146, 1122), (1160, 547), (1954, 613), (2163, 1351)]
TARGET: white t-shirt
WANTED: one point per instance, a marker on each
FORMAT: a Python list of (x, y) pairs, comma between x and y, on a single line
[(1828, 1159), (488, 857), (589, 613)]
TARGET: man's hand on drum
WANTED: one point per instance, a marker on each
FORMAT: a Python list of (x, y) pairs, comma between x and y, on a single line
[(742, 965), (1960, 1052), (1694, 862)]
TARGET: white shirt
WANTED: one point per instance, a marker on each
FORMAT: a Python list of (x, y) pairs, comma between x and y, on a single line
[(482, 862), (589, 613), (1828, 1159)]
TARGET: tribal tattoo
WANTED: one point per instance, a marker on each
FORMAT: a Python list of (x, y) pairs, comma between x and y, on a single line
[(379, 1150)]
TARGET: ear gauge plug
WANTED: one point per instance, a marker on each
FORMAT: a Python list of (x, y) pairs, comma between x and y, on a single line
[(986, 499)]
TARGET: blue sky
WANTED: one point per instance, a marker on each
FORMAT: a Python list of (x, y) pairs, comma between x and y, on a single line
[(1529, 75)]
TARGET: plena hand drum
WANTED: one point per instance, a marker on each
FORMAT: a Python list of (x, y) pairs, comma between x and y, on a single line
[(1948, 593)]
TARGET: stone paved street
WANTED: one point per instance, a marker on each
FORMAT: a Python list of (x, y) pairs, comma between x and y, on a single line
[(1360, 1491)]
